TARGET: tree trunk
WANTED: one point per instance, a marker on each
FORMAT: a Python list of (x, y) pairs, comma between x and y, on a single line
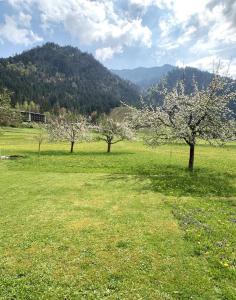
[(72, 147), (108, 147), (39, 148), (191, 157)]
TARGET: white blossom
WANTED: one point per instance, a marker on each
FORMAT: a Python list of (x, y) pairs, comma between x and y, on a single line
[(204, 114), (70, 128), (112, 131)]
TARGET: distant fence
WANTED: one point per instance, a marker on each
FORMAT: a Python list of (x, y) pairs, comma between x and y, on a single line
[(29, 116)]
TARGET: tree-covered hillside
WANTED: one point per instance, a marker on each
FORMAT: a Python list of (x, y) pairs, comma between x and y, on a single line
[(54, 76), (188, 74)]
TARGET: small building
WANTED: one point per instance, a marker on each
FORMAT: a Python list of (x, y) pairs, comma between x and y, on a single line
[(29, 116)]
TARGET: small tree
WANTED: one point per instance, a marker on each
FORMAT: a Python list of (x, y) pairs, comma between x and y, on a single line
[(40, 136), (113, 132), (68, 127), (8, 116), (205, 114), (25, 106), (120, 113)]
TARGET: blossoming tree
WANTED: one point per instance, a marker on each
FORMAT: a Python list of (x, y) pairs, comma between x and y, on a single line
[(112, 131), (204, 114), (68, 127)]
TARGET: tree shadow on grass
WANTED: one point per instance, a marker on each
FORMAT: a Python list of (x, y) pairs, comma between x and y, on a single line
[(177, 181), (180, 182)]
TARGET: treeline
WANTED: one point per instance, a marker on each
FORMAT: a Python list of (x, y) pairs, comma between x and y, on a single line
[(55, 76), (28, 106)]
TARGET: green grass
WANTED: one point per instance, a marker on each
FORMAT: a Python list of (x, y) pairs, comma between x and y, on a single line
[(132, 224)]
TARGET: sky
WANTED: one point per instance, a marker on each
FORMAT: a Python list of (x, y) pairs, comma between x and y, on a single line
[(126, 33)]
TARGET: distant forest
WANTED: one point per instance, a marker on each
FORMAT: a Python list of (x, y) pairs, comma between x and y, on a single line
[(188, 75), (54, 76)]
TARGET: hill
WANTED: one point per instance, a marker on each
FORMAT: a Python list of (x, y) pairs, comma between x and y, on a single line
[(203, 79), (144, 77), (54, 76), (187, 74)]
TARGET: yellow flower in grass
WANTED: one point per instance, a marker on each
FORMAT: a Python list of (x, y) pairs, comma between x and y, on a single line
[(226, 265)]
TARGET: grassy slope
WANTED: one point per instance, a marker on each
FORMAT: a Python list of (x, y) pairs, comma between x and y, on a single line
[(132, 224)]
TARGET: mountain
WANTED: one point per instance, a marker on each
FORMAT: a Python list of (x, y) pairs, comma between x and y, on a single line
[(153, 93), (54, 76), (144, 77), (203, 79)]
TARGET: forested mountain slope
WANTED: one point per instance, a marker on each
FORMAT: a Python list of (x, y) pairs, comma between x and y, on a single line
[(188, 74), (54, 76)]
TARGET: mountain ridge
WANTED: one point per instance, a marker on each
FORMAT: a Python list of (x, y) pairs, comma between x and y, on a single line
[(64, 76), (54, 76), (144, 76)]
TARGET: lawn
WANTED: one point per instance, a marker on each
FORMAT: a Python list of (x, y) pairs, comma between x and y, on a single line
[(132, 224)]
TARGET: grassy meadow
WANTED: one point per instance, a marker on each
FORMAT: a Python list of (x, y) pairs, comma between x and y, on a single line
[(132, 224)]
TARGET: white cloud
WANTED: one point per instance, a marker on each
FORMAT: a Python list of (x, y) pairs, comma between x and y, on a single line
[(176, 29), (187, 35), (106, 53), (15, 29), (165, 27), (21, 4), (201, 29), (182, 10), (217, 16), (210, 63), (170, 44), (219, 40), (120, 32), (25, 19), (92, 22)]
